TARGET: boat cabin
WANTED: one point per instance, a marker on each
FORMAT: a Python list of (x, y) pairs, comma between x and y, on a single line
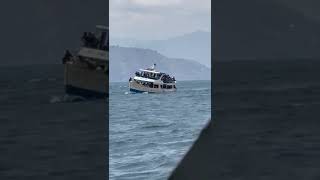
[(102, 32), (154, 85), (98, 40), (95, 46)]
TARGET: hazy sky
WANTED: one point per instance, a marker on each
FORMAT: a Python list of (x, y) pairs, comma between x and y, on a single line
[(158, 19)]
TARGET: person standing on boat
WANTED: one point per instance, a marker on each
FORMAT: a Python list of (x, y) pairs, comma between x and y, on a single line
[(67, 57), (85, 39), (153, 67)]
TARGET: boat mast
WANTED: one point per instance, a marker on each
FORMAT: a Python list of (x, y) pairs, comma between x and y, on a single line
[(153, 66)]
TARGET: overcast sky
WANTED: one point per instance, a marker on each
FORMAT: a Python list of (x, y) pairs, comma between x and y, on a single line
[(158, 19)]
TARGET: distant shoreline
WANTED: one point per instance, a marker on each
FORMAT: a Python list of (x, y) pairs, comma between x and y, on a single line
[(178, 81)]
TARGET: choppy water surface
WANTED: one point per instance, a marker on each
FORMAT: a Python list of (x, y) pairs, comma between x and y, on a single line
[(150, 133), (44, 132)]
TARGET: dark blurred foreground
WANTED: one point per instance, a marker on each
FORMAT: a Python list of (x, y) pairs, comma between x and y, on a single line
[(267, 101), (266, 123)]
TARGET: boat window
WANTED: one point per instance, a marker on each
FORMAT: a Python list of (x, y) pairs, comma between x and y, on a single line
[(169, 87), (156, 86), (164, 86), (161, 86)]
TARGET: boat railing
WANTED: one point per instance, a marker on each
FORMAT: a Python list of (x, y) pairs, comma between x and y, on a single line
[(156, 77)]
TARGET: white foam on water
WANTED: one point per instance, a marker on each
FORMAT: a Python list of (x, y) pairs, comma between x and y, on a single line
[(66, 98), (55, 99)]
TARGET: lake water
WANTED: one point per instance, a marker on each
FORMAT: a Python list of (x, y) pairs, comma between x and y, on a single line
[(150, 133), (45, 133)]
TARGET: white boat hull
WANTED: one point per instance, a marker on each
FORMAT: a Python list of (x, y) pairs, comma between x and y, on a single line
[(138, 88)]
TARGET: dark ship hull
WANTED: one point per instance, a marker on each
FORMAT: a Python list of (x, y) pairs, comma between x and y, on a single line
[(86, 72), (85, 82)]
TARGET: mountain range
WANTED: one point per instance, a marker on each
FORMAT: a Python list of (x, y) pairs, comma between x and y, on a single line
[(195, 46), (125, 61)]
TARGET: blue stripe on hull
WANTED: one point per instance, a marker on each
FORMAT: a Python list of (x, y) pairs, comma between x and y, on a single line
[(84, 92), (138, 91)]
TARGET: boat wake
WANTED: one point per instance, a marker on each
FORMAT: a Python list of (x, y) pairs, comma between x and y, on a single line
[(126, 93), (66, 99)]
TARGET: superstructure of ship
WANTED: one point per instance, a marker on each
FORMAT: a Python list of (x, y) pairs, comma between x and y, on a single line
[(86, 69)]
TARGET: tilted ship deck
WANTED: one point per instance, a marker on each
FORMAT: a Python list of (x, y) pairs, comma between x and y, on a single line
[(86, 71)]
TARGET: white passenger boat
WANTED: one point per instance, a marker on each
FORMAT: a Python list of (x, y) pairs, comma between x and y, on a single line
[(152, 81)]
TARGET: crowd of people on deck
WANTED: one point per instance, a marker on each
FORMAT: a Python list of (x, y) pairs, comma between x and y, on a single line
[(67, 57), (165, 78), (90, 40), (148, 75), (151, 85), (148, 84)]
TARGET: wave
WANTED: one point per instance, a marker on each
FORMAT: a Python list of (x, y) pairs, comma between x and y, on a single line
[(157, 126), (34, 80), (66, 98)]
